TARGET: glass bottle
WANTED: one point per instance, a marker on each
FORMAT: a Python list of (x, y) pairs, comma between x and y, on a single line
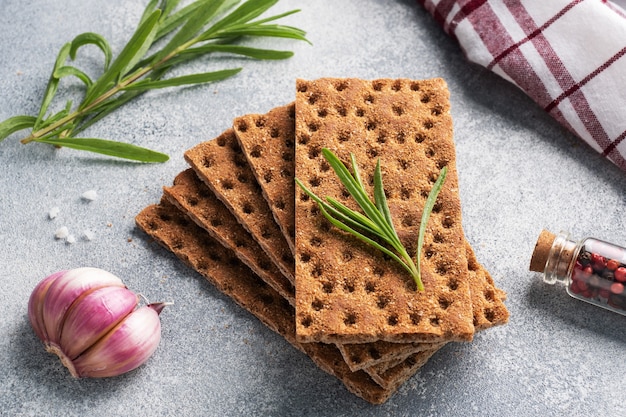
[(592, 270)]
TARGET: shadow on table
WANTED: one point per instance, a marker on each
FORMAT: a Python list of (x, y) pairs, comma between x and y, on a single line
[(38, 367), (555, 303)]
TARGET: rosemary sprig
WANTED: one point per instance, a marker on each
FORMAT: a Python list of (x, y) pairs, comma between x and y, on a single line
[(200, 28), (376, 218)]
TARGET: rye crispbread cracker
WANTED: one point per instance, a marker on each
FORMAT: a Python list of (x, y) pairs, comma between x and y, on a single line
[(365, 355), (220, 163), (194, 246), (195, 199), (268, 141), (388, 377), (347, 292)]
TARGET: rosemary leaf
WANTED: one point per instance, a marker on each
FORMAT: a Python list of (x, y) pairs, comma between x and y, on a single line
[(379, 194), (183, 80), (256, 53), (276, 17), (265, 30), (104, 109), (244, 13), (90, 38), (68, 70), (15, 124), (348, 215), (167, 6), (53, 84), (148, 10), (108, 147), (428, 208), (50, 120)]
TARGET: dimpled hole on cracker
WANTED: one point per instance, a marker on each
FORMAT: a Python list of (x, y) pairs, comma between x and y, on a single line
[(382, 301), (350, 319), (286, 173), (447, 222), (247, 208), (317, 304), (242, 126), (378, 85), (256, 152), (370, 286), (260, 122), (280, 204), (348, 285), (444, 303)]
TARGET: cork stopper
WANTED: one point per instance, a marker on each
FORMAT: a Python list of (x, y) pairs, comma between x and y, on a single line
[(542, 250)]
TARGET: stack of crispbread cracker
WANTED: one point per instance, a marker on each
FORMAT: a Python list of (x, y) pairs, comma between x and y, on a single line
[(237, 218)]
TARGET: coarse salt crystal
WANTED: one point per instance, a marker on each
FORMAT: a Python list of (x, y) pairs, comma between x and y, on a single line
[(88, 235), (53, 213), (70, 239), (61, 233), (89, 195)]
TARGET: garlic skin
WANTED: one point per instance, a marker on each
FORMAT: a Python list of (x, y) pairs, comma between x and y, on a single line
[(88, 318)]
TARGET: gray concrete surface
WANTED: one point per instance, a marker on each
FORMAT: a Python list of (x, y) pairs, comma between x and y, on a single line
[(519, 172)]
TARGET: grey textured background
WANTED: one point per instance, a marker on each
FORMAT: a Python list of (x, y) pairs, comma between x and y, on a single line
[(519, 172)]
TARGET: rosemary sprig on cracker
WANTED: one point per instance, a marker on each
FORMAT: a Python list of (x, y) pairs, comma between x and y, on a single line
[(195, 30), (376, 219)]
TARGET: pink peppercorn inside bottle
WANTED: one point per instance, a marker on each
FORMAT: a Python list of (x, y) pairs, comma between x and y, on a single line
[(592, 270)]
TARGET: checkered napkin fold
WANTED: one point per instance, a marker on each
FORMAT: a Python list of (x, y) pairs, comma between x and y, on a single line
[(568, 56)]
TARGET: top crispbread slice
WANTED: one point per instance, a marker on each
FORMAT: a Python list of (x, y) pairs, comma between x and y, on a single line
[(268, 141), (220, 163), (347, 292)]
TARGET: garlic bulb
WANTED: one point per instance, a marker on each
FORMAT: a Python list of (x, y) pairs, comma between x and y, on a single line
[(91, 320)]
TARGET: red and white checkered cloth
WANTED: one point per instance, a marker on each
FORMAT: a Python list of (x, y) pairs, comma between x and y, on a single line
[(568, 56)]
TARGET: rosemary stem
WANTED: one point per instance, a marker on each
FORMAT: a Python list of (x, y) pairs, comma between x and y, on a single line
[(414, 272)]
